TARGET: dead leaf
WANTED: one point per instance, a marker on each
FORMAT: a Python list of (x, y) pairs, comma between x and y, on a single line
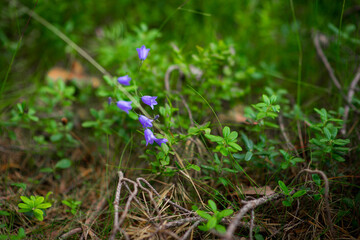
[(76, 72), (261, 191)]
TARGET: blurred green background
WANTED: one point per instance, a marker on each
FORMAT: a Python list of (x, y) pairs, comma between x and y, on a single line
[(262, 32)]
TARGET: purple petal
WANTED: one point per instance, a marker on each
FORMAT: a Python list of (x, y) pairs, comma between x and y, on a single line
[(149, 100), (124, 105), (149, 136), (160, 141), (145, 122), (124, 80), (143, 52)]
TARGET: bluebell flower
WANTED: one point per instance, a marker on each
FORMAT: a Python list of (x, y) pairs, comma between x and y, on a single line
[(143, 52), (124, 80), (145, 122), (124, 105), (149, 100), (149, 136), (160, 141), (109, 101)]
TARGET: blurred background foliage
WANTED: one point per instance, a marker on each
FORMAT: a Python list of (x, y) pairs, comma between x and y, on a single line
[(263, 34)]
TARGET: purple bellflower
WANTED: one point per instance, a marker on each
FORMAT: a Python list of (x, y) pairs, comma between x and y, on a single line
[(149, 100), (150, 138), (160, 141), (109, 101), (143, 52), (124, 105), (124, 80), (145, 122)]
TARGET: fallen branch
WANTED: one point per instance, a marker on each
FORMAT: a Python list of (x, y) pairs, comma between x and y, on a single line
[(350, 95), (326, 196), (249, 205)]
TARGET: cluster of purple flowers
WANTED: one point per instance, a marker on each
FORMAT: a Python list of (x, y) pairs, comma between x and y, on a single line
[(148, 100)]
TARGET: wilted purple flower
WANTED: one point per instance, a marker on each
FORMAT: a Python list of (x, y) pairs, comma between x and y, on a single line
[(149, 136), (145, 122), (124, 80), (143, 52), (124, 105), (160, 141), (149, 100), (109, 101)]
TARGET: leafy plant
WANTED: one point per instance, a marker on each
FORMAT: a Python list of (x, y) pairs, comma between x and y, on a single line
[(288, 193), (225, 144), (213, 221), (34, 205), (325, 144), (73, 204), (21, 235), (289, 160)]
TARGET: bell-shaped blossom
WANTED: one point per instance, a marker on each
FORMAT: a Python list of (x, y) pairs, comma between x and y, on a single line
[(160, 141), (109, 101), (124, 105), (124, 80), (149, 136), (145, 122), (149, 100), (143, 52)]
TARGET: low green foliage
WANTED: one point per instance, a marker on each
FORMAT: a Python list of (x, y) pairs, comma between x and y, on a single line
[(35, 206), (290, 196), (213, 221), (73, 204)]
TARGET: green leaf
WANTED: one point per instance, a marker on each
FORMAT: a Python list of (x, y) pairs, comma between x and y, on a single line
[(258, 236), (316, 179), (21, 233), (223, 181), (299, 193), (341, 142), (4, 213), (38, 214), (203, 228), (44, 205), (283, 187), (212, 205), (63, 163), (327, 133), (286, 203), (24, 205), (46, 170), (220, 228), (266, 99), (224, 151), (89, 124), (56, 137), (230, 170), (26, 200), (20, 185), (296, 160), (211, 223), (195, 167), (232, 137), (226, 132), (225, 213), (23, 210), (248, 156), (38, 201), (213, 138), (203, 214), (235, 146)]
